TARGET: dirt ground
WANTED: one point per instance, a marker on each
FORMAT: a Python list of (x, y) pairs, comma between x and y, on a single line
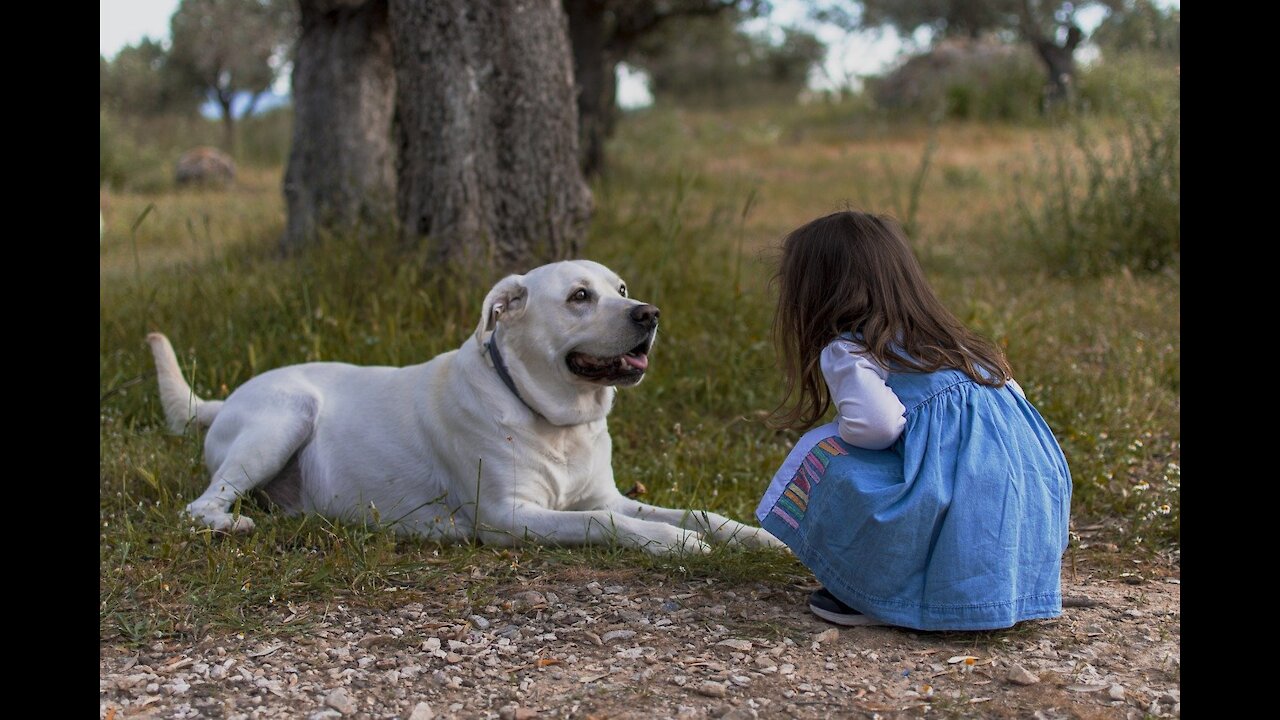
[(576, 643)]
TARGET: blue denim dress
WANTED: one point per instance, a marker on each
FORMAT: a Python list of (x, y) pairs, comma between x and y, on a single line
[(959, 525)]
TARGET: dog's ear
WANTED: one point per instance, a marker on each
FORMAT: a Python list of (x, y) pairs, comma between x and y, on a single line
[(506, 301)]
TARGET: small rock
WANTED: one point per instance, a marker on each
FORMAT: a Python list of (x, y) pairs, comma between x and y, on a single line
[(1116, 691), (340, 701), (617, 635), (828, 635), (1019, 675), (529, 598), (740, 713), (614, 590), (1134, 613), (431, 644), (324, 715), (370, 640), (452, 658), (480, 622), (736, 644), (422, 711), (712, 689)]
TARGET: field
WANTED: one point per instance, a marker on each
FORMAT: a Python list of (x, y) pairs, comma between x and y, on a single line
[(689, 215)]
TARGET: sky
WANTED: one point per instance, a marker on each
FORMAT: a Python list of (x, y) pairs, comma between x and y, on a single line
[(849, 55)]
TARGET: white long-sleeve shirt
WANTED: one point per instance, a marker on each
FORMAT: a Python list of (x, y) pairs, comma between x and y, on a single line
[(868, 413)]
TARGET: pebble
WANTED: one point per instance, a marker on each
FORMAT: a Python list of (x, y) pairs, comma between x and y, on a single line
[(828, 635), (740, 713), (712, 689), (340, 701), (324, 715), (736, 644), (617, 635), (1116, 691), (1019, 675), (480, 622), (529, 598), (422, 711)]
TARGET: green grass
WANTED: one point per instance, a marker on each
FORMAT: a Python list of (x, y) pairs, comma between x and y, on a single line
[(688, 216)]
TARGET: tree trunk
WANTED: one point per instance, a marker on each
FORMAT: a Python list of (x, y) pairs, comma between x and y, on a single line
[(595, 69), (228, 124), (1060, 63), (340, 176), (487, 131)]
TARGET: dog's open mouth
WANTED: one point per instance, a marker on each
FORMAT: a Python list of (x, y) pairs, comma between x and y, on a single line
[(624, 369)]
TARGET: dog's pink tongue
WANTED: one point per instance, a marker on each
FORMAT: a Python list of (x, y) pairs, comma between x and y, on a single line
[(639, 362)]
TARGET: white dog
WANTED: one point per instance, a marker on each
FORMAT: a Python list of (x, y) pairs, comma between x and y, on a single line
[(504, 439)]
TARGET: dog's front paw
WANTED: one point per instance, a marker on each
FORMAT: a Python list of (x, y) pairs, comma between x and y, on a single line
[(678, 542), (221, 521)]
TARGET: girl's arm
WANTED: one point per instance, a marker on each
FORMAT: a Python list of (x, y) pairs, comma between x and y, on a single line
[(868, 412)]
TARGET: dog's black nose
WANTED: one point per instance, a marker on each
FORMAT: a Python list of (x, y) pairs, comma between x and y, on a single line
[(646, 315)]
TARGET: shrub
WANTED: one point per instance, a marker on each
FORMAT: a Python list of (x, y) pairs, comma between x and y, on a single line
[(1120, 208)]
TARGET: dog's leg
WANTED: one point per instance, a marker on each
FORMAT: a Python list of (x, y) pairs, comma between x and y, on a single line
[(524, 522), (258, 451), (717, 527)]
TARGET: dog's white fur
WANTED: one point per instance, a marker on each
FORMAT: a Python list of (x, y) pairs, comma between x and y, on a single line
[(444, 449)]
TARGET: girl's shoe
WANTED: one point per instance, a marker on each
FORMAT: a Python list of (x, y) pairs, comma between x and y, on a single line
[(826, 606)]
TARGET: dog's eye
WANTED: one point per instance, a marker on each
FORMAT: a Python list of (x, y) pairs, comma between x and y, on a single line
[(581, 296), (622, 289)]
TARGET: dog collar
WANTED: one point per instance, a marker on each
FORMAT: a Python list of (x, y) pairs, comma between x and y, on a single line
[(501, 368)]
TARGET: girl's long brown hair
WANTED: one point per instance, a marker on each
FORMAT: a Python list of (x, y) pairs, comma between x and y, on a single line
[(854, 272)]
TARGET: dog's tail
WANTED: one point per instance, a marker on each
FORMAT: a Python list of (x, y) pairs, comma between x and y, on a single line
[(181, 405)]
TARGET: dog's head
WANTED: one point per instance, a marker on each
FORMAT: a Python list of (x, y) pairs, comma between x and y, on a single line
[(569, 332)]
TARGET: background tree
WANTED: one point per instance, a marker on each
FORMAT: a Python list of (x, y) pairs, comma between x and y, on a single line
[(341, 175), (487, 131), (710, 61), (604, 33), (142, 79), (232, 47), (1138, 25), (1049, 26)]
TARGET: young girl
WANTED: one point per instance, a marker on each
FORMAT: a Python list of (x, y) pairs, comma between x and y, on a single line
[(938, 499)]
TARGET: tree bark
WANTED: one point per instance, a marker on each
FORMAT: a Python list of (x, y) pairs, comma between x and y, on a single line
[(487, 131), (595, 68), (340, 176)]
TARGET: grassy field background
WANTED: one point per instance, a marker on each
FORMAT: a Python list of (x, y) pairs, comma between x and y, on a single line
[(1034, 235)]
